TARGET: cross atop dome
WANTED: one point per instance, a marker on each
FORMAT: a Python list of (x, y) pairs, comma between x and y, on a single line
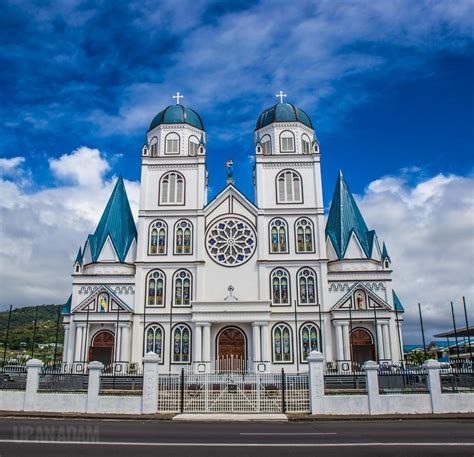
[(177, 97), (280, 95)]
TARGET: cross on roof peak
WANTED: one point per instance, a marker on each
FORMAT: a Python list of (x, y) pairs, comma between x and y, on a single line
[(280, 95), (177, 97)]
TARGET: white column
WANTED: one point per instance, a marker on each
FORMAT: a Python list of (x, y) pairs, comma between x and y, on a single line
[(265, 336), (345, 335), (256, 342), (434, 385), (93, 386), (151, 363), (32, 383), (71, 341), (125, 352), (381, 352), (372, 383), (79, 347), (339, 342), (198, 343), (316, 382), (66, 342), (206, 342), (118, 342), (386, 341)]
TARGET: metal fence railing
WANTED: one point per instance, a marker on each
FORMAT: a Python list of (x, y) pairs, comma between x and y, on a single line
[(459, 379), (402, 379), (344, 378), (13, 375)]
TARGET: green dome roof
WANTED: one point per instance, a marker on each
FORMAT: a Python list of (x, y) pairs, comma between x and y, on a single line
[(283, 112), (177, 114)]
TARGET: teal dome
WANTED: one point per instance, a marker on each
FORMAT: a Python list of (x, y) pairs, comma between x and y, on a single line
[(283, 112), (177, 114)]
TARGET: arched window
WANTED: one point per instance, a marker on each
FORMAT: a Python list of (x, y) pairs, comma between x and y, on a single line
[(182, 288), (280, 281), (172, 189), (307, 287), (305, 144), (181, 344), (289, 187), (287, 142), (309, 340), (172, 143), (360, 299), (183, 237), (281, 339), (278, 236), (157, 242), (193, 145), (154, 147), (154, 340), (155, 288), (266, 143), (304, 235)]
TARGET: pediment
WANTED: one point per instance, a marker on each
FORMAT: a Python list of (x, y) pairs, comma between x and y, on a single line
[(103, 300), (360, 298)]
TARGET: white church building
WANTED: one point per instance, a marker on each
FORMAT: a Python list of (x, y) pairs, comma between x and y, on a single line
[(232, 282)]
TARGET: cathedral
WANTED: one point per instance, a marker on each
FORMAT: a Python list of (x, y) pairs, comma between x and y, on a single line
[(230, 283)]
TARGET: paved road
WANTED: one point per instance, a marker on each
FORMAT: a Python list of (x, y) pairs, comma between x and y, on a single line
[(104, 438)]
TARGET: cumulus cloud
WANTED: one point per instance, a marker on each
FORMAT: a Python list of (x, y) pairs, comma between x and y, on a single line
[(429, 230), (83, 167), (41, 230), (7, 166)]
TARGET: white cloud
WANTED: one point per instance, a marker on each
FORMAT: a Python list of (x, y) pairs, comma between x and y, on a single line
[(42, 230), (7, 166), (84, 167), (429, 231)]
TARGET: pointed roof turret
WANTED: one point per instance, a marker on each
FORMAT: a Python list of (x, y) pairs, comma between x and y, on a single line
[(67, 306), (345, 219), (117, 223), (397, 303), (385, 253), (79, 256)]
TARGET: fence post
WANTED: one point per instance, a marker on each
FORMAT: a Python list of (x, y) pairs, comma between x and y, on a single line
[(316, 382), (32, 383), (181, 392), (93, 386), (283, 391), (372, 386), (150, 383), (434, 384)]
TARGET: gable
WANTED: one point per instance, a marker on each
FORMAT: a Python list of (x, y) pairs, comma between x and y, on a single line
[(103, 300), (107, 253), (357, 292), (354, 249), (331, 252)]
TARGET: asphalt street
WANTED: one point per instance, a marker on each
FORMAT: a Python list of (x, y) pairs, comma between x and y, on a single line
[(79, 437)]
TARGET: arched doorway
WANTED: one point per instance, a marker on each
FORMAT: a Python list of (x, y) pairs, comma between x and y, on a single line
[(231, 349), (102, 347), (362, 346)]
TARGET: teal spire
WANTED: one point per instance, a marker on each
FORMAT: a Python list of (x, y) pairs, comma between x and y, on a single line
[(117, 223), (344, 219), (67, 306), (397, 303), (79, 256), (257, 139), (201, 140), (385, 253)]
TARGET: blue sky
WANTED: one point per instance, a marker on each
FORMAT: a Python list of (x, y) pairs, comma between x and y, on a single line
[(387, 84)]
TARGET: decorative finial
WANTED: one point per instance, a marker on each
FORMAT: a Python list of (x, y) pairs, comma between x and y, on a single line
[(177, 97), (230, 171), (280, 96)]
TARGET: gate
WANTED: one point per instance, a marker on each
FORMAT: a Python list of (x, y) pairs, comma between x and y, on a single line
[(233, 392)]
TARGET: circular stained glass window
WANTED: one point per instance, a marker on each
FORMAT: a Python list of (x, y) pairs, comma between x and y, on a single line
[(231, 242)]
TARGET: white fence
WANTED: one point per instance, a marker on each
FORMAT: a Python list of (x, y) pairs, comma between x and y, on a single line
[(248, 392)]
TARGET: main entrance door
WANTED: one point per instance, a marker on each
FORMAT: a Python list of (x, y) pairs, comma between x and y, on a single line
[(102, 348), (362, 346), (231, 349)]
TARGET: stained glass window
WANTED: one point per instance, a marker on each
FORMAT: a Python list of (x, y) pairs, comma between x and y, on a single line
[(181, 344), (280, 287), (304, 235), (309, 338), (154, 340), (182, 288), (282, 343), (289, 187), (231, 242), (183, 237), (278, 236), (307, 286), (157, 244), (155, 288)]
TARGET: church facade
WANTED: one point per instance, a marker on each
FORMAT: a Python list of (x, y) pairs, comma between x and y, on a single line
[(232, 283)]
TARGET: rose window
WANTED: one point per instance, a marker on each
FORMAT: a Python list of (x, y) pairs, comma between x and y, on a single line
[(231, 242)]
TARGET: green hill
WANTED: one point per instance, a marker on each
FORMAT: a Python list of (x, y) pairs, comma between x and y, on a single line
[(20, 336)]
